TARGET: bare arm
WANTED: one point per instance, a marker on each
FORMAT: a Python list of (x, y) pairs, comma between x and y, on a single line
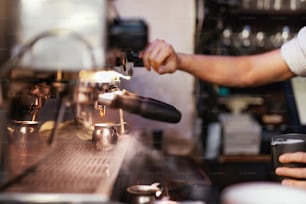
[(240, 71)]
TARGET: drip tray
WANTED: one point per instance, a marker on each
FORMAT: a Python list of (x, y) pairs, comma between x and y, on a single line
[(73, 167)]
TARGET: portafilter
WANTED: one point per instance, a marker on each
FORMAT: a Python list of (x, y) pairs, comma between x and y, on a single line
[(144, 106)]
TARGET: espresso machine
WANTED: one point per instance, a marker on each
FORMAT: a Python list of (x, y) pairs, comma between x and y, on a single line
[(60, 88)]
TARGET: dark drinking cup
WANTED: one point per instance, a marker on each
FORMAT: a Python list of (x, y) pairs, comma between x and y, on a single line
[(287, 143)]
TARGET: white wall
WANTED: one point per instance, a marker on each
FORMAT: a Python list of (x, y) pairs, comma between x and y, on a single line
[(173, 21)]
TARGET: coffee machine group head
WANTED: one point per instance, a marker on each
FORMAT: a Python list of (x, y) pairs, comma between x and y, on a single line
[(64, 47), (76, 52)]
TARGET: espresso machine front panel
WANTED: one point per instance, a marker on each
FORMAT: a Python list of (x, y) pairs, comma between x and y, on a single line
[(61, 60), (62, 107)]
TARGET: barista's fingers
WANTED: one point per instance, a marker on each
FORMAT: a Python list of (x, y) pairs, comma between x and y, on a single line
[(146, 55), (140, 54), (159, 54), (145, 59), (291, 172), (293, 157), (150, 53), (154, 61), (166, 59), (294, 183)]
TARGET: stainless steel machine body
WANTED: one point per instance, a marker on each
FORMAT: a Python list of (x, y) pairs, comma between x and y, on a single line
[(72, 53), (52, 43)]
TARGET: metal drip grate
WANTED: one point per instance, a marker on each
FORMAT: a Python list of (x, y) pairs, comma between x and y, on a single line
[(71, 168)]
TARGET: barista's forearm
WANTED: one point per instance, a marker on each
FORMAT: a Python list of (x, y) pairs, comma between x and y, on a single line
[(238, 71), (220, 70)]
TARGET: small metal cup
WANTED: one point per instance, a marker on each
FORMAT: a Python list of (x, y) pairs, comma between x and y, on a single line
[(105, 136), (24, 133)]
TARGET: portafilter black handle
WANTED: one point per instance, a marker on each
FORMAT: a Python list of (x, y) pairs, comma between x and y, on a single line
[(146, 107)]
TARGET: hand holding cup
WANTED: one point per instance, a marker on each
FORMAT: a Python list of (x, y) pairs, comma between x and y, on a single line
[(289, 159)]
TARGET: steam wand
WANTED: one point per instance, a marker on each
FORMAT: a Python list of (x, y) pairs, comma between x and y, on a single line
[(61, 89), (62, 103)]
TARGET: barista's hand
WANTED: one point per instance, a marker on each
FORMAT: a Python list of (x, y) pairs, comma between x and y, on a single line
[(160, 56), (298, 173)]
